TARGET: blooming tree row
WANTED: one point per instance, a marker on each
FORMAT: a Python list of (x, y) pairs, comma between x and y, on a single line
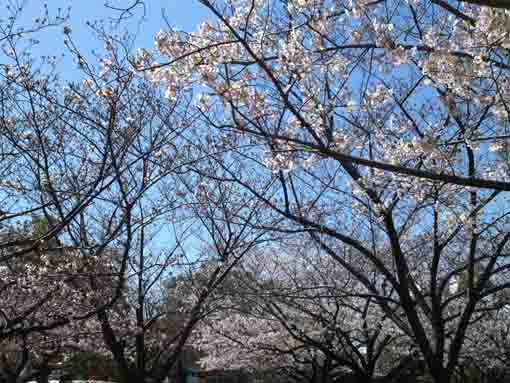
[(374, 129), (364, 142), (100, 208)]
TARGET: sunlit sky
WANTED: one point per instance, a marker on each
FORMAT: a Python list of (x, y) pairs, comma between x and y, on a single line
[(145, 22)]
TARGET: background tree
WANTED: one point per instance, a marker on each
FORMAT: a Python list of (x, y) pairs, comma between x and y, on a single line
[(303, 319)]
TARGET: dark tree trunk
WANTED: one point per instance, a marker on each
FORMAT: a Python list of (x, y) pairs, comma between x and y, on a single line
[(362, 378), (440, 375), (43, 375), (9, 378)]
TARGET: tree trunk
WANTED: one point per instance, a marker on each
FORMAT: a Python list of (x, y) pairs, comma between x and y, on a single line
[(9, 378), (43, 375), (363, 378), (440, 375)]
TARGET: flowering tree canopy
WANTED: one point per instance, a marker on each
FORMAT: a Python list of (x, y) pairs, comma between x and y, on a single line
[(326, 180), (376, 129), (93, 171)]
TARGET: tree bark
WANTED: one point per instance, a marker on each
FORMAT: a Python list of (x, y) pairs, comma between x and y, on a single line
[(43, 375), (440, 375)]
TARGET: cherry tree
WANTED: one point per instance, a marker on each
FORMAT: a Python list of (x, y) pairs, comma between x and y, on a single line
[(41, 337), (106, 166), (487, 349), (376, 126), (80, 158), (50, 172), (302, 318), (146, 330)]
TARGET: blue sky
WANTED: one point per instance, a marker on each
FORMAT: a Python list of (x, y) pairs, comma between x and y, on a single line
[(185, 15)]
